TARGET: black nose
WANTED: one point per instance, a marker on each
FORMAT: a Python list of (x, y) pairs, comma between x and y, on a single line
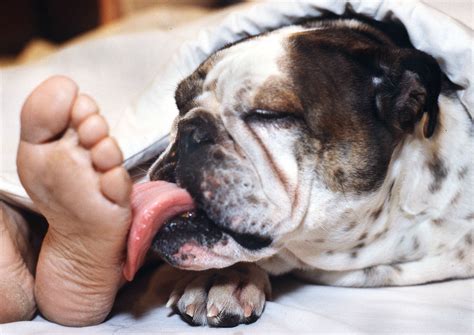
[(195, 133)]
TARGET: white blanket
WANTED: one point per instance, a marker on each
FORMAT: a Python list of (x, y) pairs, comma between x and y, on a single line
[(116, 69), (297, 308)]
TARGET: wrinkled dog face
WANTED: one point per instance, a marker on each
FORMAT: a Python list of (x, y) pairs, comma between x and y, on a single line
[(274, 131)]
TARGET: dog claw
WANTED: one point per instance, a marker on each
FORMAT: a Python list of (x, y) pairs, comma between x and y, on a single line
[(190, 309), (212, 312), (171, 301), (248, 309)]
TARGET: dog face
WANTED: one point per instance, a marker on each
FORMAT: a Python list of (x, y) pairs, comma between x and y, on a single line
[(279, 135)]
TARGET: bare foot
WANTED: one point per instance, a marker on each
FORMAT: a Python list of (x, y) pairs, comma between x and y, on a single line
[(16, 279), (71, 169)]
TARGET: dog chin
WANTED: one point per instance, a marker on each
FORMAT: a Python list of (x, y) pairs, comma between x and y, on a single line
[(192, 241)]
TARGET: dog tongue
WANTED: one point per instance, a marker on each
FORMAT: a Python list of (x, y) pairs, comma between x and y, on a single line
[(153, 203)]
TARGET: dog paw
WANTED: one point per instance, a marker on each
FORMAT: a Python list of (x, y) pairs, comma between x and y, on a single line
[(221, 298)]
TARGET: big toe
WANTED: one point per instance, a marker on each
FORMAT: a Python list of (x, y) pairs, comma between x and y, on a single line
[(46, 112)]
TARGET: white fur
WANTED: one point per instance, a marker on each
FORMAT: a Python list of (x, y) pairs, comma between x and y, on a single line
[(411, 246), (420, 235)]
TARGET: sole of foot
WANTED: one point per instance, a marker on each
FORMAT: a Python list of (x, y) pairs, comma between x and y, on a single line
[(72, 171)]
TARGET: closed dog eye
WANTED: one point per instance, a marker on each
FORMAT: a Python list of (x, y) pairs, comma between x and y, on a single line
[(263, 115)]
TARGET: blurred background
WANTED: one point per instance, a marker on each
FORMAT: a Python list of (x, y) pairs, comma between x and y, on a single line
[(30, 29)]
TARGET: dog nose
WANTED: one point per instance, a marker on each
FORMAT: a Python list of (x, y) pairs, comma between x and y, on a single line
[(193, 134)]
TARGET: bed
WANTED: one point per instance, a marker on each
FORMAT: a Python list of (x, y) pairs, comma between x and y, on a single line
[(117, 70)]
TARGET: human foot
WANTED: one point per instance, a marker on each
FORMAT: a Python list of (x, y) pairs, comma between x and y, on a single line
[(71, 170), (16, 279)]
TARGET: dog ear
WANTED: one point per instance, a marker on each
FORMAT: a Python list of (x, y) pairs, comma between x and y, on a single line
[(407, 87)]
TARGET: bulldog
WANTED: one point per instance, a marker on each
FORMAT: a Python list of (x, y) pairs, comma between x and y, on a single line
[(330, 149)]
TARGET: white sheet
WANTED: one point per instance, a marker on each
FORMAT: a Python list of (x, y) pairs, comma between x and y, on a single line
[(114, 70), (297, 308)]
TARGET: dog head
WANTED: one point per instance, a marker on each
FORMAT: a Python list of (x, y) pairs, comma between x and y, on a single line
[(274, 131)]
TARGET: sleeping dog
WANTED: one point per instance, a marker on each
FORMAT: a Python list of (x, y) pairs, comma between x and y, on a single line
[(331, 150)]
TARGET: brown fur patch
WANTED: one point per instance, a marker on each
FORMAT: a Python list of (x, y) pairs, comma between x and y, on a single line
[(439, 171), (192, 86), (359, 246), (353, 147), (350, 226), (468, 238), (390, 190), (462, 173), (438, 222), (416, 243), (278, 95), (380, 234), (397, 268), (375, 215), (370, 271), (455, 199), (470, 216)]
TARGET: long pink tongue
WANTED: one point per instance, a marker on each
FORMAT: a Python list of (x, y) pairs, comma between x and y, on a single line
[(152, 203)]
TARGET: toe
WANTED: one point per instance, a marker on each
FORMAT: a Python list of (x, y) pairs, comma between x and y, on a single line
[(223, 307), (178, 289), (92, 130), (252, 299), (192, 304), (106, 154), (46, 112), (117, 186), (83, 107)]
